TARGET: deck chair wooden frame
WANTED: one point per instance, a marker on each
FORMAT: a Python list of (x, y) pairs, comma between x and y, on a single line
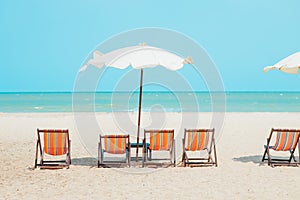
[(199, 140), (107, 145), (53, 142), (287, 140), (161, 136)]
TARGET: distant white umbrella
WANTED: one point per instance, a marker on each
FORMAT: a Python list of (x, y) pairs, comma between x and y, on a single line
[(290, 64), (139, 57)]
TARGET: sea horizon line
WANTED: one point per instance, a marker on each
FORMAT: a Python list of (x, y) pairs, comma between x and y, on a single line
[(147, 91)]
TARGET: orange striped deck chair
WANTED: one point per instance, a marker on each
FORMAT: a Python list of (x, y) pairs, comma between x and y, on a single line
[(159, 140), (201, 140), (113, 144), (53, 143), (286, 140)]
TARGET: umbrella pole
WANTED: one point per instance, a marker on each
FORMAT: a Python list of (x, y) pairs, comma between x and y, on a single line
[(139, 115)]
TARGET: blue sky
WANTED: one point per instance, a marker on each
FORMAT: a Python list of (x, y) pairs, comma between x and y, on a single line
[(43, 43)]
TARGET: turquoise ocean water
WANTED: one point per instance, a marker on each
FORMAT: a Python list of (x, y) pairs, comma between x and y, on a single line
[(152, 101)]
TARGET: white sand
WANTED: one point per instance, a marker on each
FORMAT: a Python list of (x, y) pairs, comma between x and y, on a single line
[(239, 175)]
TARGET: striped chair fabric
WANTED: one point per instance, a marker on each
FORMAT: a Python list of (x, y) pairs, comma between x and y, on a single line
[(285, 141), (115, 144), (197, 140), (55, 142), (161, 139)]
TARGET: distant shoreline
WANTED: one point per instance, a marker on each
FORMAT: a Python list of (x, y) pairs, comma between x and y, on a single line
[(36, 102)]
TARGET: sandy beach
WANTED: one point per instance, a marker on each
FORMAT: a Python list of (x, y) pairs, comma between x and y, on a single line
[(239, 175)]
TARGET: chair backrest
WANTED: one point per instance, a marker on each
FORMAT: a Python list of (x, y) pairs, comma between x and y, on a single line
[(160, 139), (286, 139), (54, 141), (198, 139), (115, 144)]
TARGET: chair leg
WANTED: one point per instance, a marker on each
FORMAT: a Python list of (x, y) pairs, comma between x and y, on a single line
[(101, 154), (129, 156), (171, 153), (102, 157), (269, 157), (147, 153), (98, 160), (299, 152), (267, 150), (263, 158), (129, 160), (183, 153), (184, 157), (67, 161), (70, 160), (174, 155), (144, 153), (215, 154), (42, 159), (292, 157), (68, 156), (36, 154), (209, 159)]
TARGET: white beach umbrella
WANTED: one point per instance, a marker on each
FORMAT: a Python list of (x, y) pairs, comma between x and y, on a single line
[(290, 64), (139, 57)]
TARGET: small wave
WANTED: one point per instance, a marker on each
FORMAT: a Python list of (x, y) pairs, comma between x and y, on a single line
[(38, 108)]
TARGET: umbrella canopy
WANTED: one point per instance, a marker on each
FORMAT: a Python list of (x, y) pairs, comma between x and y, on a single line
[(139, 57), (290, 64)]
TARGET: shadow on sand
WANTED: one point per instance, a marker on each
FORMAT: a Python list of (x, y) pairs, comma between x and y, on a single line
[(249, 159), (93, 162), (85, 161)]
